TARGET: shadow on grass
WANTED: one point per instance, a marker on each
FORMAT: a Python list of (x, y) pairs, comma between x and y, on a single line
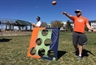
[(5, 40), (84, 53), (61, 53)]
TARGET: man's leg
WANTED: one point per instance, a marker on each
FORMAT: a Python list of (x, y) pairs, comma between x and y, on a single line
[(82, 40), (80, 51), (75, 40), (76, 47)]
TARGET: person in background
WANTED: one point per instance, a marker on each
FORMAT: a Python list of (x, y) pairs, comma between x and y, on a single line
[(79, 38), (38, 24)]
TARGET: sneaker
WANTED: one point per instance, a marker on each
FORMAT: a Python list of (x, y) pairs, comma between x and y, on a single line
[(79, 57)]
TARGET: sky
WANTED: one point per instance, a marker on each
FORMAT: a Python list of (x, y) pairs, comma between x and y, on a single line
[(28, 10)]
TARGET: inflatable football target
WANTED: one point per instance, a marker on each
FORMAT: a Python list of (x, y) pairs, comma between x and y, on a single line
[(44, 43)]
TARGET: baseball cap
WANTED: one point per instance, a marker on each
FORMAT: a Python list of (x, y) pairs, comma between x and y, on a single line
[(38, 17), (76, 11)]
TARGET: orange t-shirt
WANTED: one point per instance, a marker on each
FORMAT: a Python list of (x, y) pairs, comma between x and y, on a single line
[(79, 23)]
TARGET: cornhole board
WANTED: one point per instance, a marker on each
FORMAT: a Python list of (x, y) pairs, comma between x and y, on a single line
[(44, 43)]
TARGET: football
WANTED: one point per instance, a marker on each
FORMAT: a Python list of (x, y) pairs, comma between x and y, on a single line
[(54, 2)]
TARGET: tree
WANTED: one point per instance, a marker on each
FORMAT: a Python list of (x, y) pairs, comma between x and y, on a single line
[(44, 24), (68, 26), (56, 24)]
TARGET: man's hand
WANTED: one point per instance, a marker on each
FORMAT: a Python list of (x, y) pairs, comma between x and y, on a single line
[(69, 16), (64, 12), (93, 30), (33, 25)]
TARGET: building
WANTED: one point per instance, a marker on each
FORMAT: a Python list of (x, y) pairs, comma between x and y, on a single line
[(15, 24), (91, 22)]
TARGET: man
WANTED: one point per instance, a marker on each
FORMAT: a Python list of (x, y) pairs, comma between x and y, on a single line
[(38, 24), (78, 37)]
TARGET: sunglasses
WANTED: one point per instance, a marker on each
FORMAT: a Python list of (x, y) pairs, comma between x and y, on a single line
[(77, 11)]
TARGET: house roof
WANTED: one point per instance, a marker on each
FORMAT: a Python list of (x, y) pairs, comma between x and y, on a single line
[(22, 22), (15, 22)]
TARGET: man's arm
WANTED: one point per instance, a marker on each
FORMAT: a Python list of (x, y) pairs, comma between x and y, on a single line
[(69, 16), (34, 25), (38, 24), (89, 27)]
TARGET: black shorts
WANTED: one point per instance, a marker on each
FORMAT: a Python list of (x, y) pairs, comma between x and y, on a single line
[(79, 38)]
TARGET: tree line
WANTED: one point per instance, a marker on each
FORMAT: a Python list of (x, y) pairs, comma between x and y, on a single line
[(59, 24)]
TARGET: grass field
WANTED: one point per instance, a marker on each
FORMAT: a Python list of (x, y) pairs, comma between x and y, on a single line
[(13, 51)]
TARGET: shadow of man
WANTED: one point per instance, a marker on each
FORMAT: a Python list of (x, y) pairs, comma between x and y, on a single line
[(61, 53), (5, 40), (84, 53)]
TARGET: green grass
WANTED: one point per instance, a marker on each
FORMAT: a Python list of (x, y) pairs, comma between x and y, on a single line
[(14, 52)]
